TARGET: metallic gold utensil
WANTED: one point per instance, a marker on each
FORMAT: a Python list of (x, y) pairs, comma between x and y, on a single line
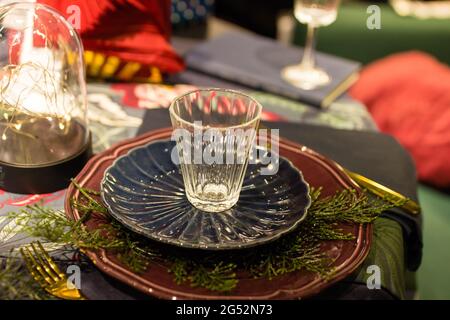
[(45, 271), (382, 191)]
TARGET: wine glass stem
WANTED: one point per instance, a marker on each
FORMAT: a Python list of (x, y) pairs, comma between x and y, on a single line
[(308, 53)]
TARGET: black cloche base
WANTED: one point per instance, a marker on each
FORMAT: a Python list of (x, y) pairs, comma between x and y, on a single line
[(43, 179)]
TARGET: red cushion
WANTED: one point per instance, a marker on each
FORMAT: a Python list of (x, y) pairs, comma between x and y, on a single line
[(408, 95), (133, 30)]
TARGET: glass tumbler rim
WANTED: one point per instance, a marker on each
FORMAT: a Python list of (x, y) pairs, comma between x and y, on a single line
[(256, 117)]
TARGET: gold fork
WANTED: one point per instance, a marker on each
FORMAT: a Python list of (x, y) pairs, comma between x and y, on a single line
[(45, 271)]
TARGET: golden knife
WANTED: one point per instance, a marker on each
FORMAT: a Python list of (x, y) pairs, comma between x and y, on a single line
[(382, 191)]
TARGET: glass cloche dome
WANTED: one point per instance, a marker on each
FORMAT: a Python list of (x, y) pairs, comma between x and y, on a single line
[(43, 124)]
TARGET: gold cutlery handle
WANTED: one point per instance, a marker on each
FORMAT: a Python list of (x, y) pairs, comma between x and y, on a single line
[(383, 191)]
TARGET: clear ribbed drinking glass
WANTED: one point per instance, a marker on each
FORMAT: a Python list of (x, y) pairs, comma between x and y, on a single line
[(214, 130)]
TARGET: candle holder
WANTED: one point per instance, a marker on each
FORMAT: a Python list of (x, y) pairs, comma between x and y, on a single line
[(44, 137)]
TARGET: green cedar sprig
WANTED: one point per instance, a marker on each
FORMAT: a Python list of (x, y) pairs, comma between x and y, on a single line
[(299, 250)]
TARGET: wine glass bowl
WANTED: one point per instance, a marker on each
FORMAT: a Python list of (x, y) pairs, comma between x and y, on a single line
[(318, 13), (314, 13)]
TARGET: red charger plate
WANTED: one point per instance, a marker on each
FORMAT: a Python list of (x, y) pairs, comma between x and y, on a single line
[(158, 282)]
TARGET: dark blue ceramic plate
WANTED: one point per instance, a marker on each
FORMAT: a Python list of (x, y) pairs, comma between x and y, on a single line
[(144, 191)]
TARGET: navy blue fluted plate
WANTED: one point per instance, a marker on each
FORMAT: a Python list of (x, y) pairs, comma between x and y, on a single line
[(144, 191)]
